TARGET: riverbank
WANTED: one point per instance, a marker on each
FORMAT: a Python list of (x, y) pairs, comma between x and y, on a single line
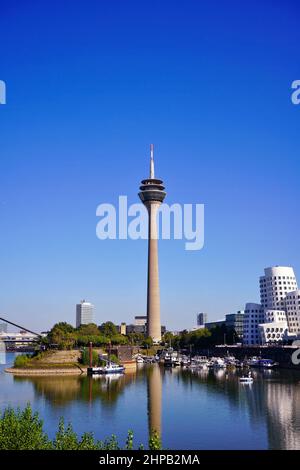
[(57, 363), (46, 371)]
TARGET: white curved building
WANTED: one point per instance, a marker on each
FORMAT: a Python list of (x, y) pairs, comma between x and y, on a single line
[(274, 286), (275, 327), (278, 315)]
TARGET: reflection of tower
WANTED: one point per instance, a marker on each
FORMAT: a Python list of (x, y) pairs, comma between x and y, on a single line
[(152, 195), (154, 399)]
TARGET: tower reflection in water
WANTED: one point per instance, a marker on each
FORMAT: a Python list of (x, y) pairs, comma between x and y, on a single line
[(154, 388)]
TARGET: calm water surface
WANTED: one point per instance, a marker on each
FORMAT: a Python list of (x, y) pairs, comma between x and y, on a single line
[(205, 410)]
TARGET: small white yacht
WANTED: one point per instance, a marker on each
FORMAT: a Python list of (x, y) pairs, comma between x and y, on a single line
[(246, 379), (109, 368)]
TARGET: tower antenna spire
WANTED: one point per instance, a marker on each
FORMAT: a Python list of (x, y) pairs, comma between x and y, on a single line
[(151, 161)]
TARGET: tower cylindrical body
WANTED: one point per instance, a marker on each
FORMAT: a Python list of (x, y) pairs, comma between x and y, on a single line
[(153, 297)]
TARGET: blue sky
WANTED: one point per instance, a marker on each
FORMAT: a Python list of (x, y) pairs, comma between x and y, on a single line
[(89, 86)]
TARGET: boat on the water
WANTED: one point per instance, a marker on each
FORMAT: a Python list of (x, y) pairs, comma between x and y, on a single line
[(217, 362), (171, 358), (262, 363), (246, 379), (109, 368)]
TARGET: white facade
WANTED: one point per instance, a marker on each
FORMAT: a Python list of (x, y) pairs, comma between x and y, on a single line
[(280, 303), (292, 306), (84, 313), (275, 327), (274, 286), (253, 316)]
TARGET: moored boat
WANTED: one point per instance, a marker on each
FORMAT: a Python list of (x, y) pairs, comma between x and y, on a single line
[(109, 368)]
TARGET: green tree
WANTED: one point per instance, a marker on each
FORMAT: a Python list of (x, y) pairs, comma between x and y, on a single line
[(91, 329), (108, 329), (63, 335), (147, 342), (22, 430)]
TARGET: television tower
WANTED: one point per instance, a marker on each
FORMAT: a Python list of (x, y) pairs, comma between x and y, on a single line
[(152, 195)]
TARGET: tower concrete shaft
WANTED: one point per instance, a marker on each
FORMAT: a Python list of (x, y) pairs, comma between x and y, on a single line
[(153, 297), (152, 195)]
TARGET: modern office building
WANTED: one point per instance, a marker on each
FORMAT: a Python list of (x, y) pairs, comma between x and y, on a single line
[(235, 321), (292, 307), (213, 324), (254, 315), (201, 319), (152, 195), (84, 313)]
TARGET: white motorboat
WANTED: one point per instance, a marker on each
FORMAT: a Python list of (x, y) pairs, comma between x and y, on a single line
[(217, 362), (109, 368), (246, 379)]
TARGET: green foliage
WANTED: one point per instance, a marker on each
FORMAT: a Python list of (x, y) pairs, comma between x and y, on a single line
[(136, 338), (114, 358), (66, 439), (63, 335), (155, 441), (88, 330), (23, 430), (85, 358), (22, 360), (147, 342), (109, 329), (129, 440), (119, 339), (98, 340), (201, 338)]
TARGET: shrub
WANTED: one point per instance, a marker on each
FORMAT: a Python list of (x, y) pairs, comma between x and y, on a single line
[(22, 361), (85, 357), (23, 430)]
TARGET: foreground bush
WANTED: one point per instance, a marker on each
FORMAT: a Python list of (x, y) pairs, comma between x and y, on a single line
[(22, 360), (23, 430)]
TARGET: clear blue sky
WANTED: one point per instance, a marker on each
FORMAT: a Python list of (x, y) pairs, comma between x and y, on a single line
[(89, 85)]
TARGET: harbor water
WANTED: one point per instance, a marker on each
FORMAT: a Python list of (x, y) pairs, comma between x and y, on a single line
[(203, 409)]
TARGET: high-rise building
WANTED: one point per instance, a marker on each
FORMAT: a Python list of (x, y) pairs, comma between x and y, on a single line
[(274, 286), (152, 195), (201, 319), (278, 291), (84, 313)]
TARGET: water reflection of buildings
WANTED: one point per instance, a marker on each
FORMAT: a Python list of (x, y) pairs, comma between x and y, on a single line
[(62, 390), (271, 403), (283, 415)]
